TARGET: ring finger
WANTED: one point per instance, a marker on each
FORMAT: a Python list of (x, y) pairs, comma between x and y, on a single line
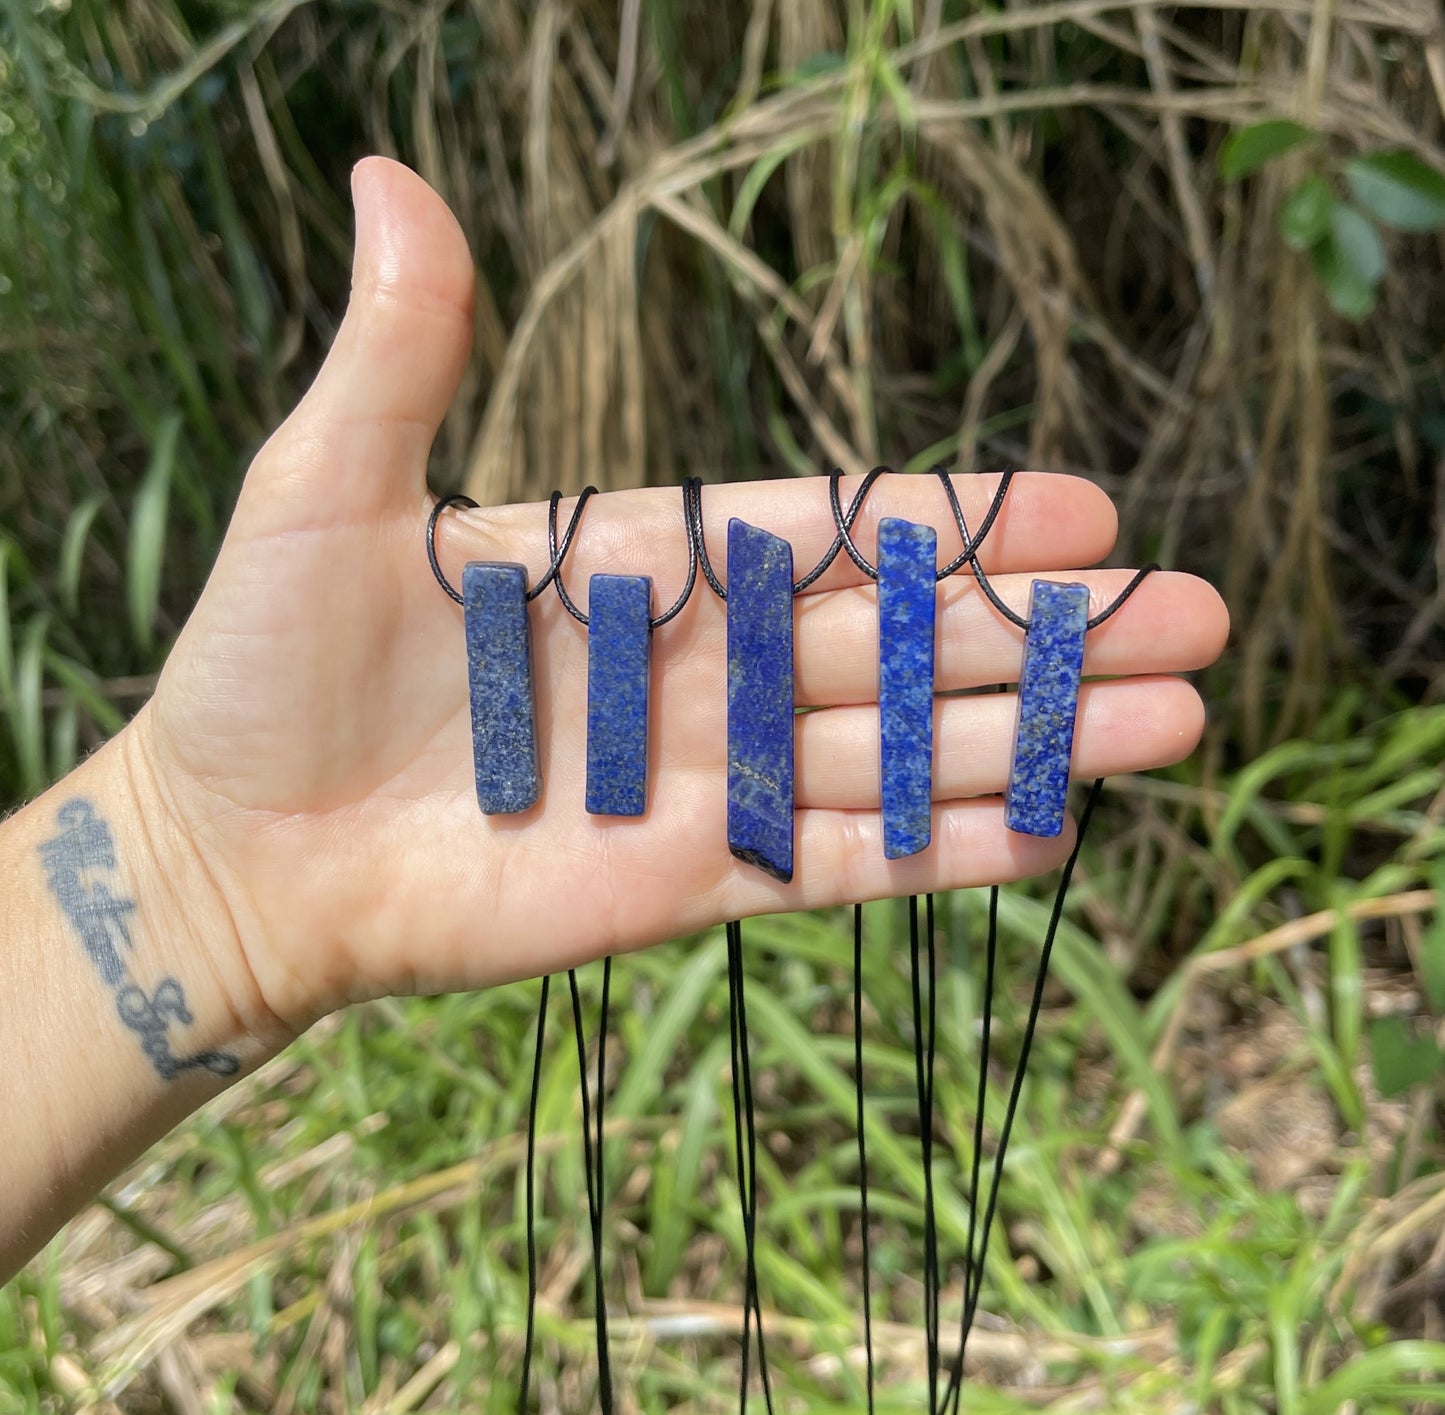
[(1132, 725)]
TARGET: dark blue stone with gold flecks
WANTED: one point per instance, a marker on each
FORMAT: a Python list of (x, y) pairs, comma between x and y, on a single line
[(499, 672), (1034, 803), (618, 639), (906, 608), (760, 699)]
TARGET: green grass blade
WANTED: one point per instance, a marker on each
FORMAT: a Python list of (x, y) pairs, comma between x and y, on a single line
[(28, 718), (148, 525), (72, 551)]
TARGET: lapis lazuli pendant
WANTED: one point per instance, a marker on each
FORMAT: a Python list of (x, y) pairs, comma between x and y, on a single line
[(906, 600), (618, 640), (1034, 802), (499, 672), (760, 699)]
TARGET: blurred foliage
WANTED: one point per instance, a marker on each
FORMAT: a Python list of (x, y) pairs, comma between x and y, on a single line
[(1194, 253), (1191, 251)]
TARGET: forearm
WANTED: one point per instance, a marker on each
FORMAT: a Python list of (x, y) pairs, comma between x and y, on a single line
[(126, 1002)]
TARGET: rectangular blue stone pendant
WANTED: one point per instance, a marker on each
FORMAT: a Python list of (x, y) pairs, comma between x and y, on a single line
[(760, 699), (1034, 802), (499, 670), (618, 639), (906, 581)]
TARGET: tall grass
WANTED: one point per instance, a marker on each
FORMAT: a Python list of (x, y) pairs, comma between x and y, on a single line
[(729, 238), (1211, 1201)]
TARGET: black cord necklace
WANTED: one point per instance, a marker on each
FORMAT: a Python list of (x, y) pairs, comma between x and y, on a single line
[(760, 831)]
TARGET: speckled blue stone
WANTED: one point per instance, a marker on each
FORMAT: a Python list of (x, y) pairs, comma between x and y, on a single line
[(905, 683), (499, 669), (760, 699), (618, 640), (1048, 704)]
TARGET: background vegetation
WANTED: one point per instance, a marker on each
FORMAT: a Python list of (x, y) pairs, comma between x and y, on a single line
[(1191, 250)]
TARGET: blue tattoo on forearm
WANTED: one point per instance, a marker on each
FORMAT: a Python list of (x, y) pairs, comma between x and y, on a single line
[(82, 850)]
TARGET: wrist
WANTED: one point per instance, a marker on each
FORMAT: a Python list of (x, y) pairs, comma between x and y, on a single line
[(192, 922), (132, 1001)]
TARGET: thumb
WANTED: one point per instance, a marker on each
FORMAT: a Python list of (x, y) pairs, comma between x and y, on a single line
[(361, 435)]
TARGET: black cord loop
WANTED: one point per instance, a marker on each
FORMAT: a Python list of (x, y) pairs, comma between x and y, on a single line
[(1112, 608), (554, 572), (843, 521), (692, 515), (457, 498), (971, 545), (691, 582), (558, 559), (844, 524)]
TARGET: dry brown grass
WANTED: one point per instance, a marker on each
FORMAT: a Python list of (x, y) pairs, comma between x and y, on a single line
[(1002, 239), (751, 236), (737, 237)]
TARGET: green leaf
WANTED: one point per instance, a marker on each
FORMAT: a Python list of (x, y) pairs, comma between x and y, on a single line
[(1358, 242), (8, 552), (1350, 262), (84, 689), (1398, 190), (1306, 215), (756, 178), (643, 1080), (72, 550), (28, 720), (1248, 149), (891, 82), (1393, 1369), (64, 739), (1402, 1059), (148, 534), (676, 1183)]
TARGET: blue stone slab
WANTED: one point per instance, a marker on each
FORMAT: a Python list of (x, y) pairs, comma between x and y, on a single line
[(760, 699), (906, 600), (499, 670), (1048, 704), (618, 639)]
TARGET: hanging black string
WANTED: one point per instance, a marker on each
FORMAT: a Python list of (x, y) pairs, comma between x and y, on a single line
[(971, 1299), (924, 1052), (533, 1101), (970, 1264), (932, 1263), (592, 1166), (745, 1139), (981, 1098), (862, 1146), (604, 1016), (924, 1018)]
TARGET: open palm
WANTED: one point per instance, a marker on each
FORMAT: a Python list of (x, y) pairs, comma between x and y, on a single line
[(311, 734)]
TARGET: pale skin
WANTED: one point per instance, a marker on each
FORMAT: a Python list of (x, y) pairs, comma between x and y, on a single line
[(293, 813)]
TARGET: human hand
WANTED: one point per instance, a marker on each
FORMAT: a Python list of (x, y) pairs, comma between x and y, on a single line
[(310, 736)]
